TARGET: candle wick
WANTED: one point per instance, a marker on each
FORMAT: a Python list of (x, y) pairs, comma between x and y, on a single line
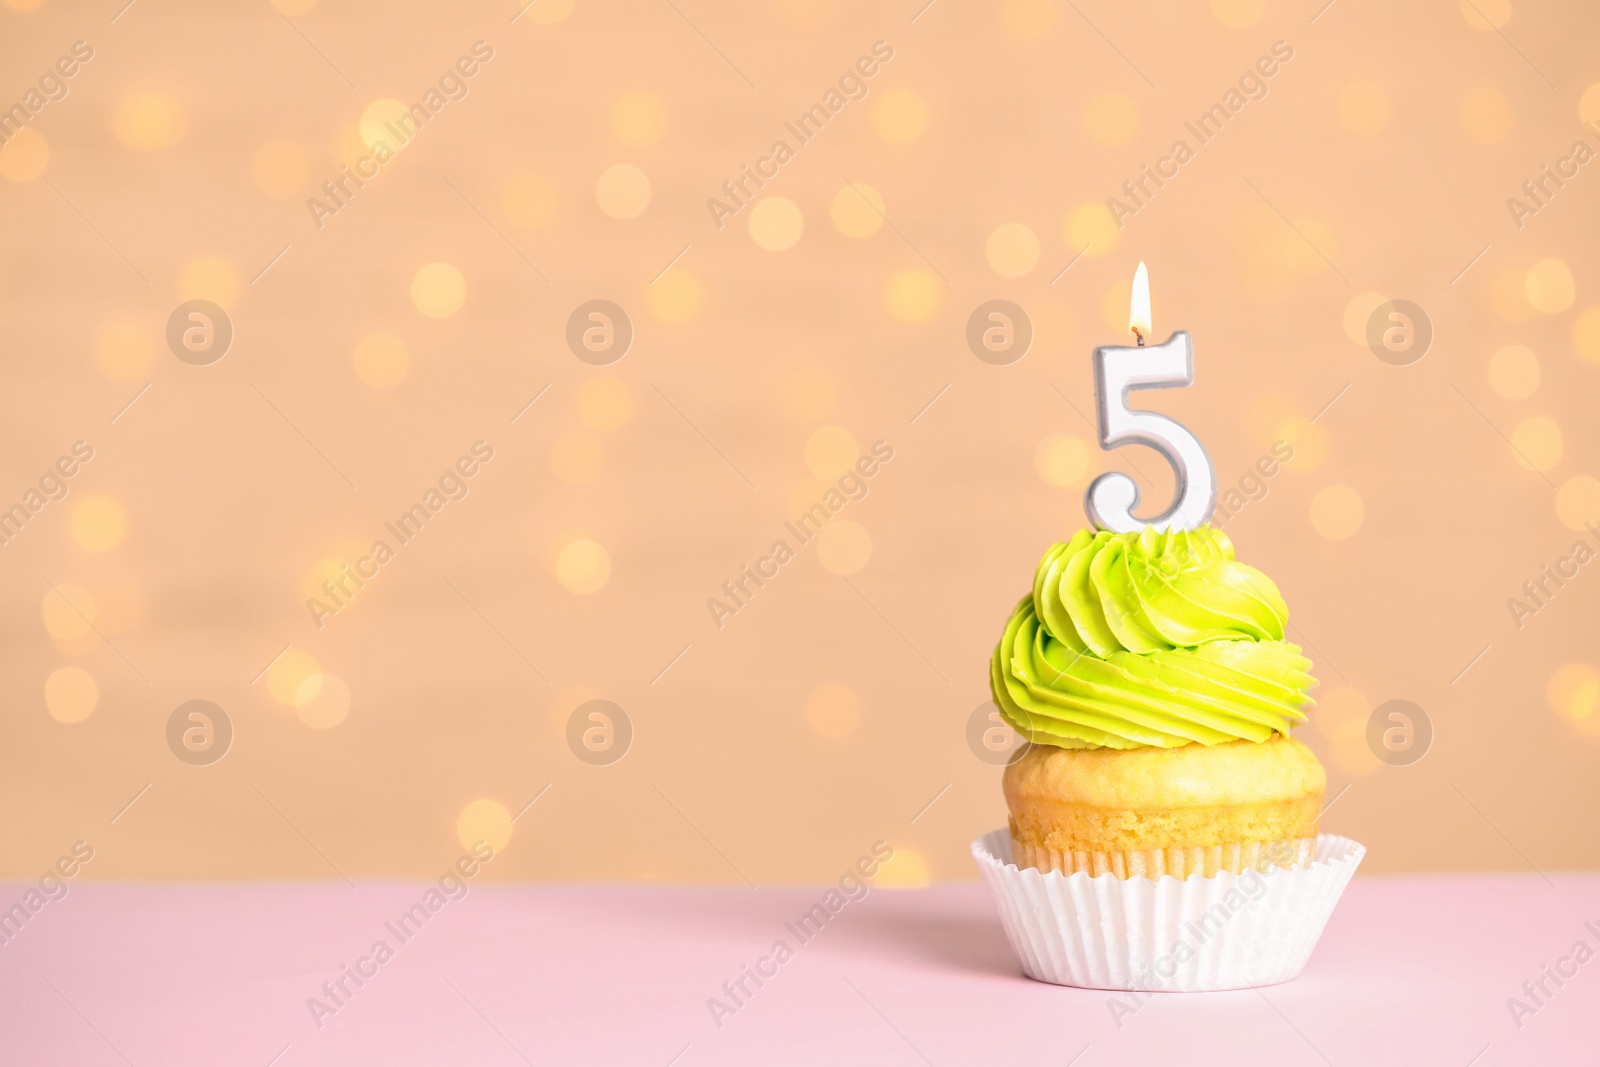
[(1139, 337)]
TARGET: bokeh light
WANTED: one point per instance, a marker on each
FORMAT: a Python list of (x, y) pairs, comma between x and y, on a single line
[(1012, 250), (124, 350), (381, 360), (1062, 460), (830, 451), (677, 296), (323, 701), (1364, 109), (583, 566), (149, 122), (776, 223), (438, 290), (833, 710), (484, 820), (1111, 118), (1485, 116), (69, 612), (98, 523), (913, 295), (70, 694), (529, 200), (1357, 312), (1238, 14), (605, 403), (1090, 229), (24, 157), (1514, 372), (1574, 695), (1341, 716), (900, 116), (294, 678), (1536, 443), (622, 191), (906, 870), (376, 121), (1549, 286), (1578, 501), (1586, 334), (638, 118), (1028, 20), (209, 278), (1337, 512), (857, 210), (1486, 15)]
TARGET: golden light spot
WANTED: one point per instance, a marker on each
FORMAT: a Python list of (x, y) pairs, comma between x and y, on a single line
[(1508, 296), (1013, 250), (69, 612), (70, 694), (124, 350), (900, 116), (149, 122), (1238, 14), (1586, 334), (281, 169), (438, 290), (98, 523), (623, 191), (1485, 116), (1309, 441), (1277, 255), (119, 606), (543, 12), (776, 223), (23, 158), (809, 394), (1589, 104), (330, 569), (830, 451), (24, 5), (1578, 501), (1549, 286), (1336, 512), (844, 547), (529, 200), (583, 567), (577, 457), (1028, 20), (833, 710), (1364, 109), (676, 296), (1574, 694), (638, 118), (806, 14), (857, 210), (1111, 118), (1090, 226), (484, 820), (381, 360), (1514, 372), (1341, 716), (1356, 314), (1062, 460), (1486, 15), (323, 701), (605, 403), (913, 295), (293, 678), (1536, 443), (209, 278), (376, 120), (906, 870)]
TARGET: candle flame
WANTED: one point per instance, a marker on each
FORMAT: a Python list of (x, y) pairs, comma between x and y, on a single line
[(1139, 306)]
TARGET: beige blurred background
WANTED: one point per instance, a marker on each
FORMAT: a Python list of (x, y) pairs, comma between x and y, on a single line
[(833, 710)]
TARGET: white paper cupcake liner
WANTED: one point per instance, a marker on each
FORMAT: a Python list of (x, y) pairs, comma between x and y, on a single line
[(1226, 931)]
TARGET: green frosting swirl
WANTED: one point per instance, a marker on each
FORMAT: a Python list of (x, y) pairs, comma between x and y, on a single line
[(1149, 638)]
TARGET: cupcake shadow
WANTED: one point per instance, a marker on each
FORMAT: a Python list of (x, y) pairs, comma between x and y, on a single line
[(955, 938)]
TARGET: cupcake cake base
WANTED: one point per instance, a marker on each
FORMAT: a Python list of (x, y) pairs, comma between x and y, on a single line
[(1225, 931)]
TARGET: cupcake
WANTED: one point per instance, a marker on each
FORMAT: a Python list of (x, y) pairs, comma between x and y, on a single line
[(1150, 673)]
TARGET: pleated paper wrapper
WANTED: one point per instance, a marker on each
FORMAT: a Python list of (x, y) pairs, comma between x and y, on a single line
[(1226, 931)]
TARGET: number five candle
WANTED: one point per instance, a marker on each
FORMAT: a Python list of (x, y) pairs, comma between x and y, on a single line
[(1118, 371)]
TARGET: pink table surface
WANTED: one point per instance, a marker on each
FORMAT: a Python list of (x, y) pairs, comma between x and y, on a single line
[(1410, 971)]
